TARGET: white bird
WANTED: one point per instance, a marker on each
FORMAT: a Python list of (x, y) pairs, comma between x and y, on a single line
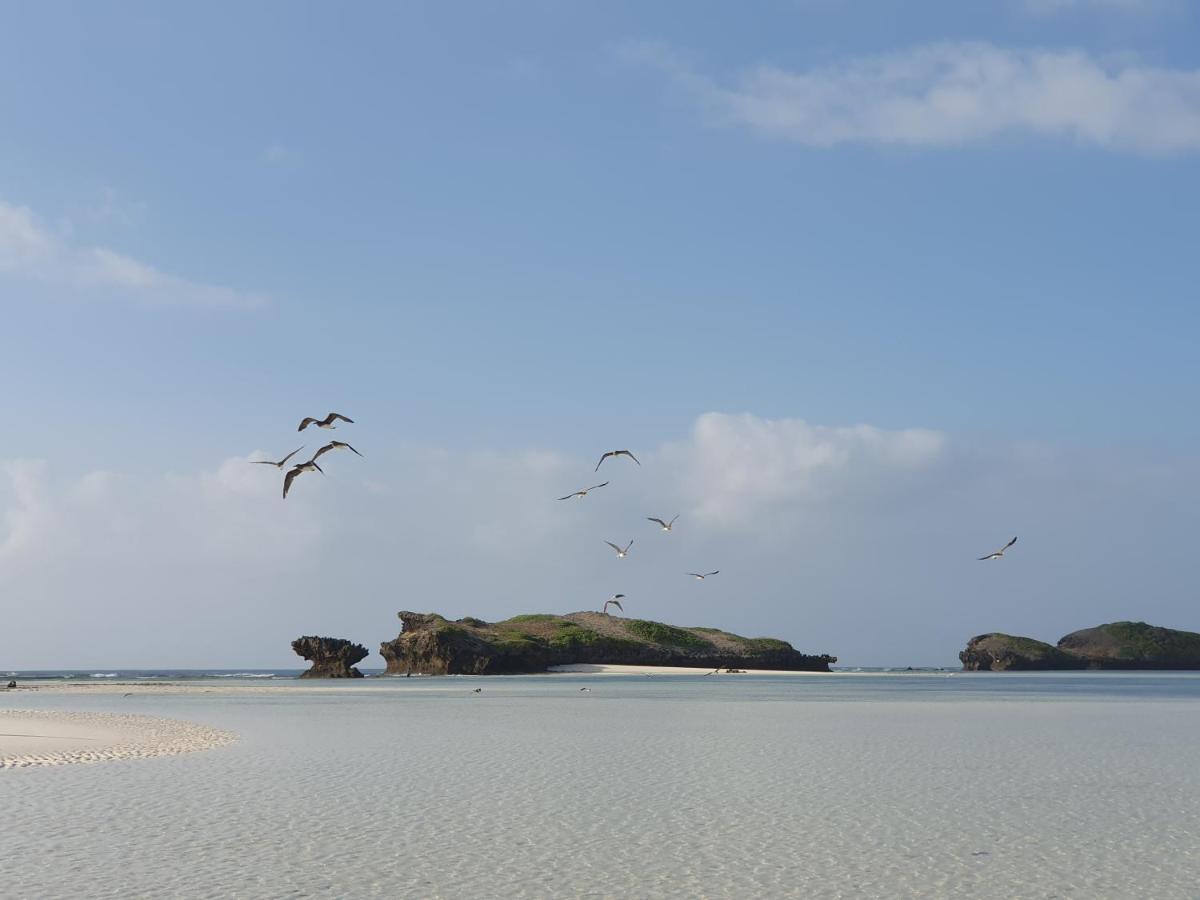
[(615, 600), (700, 577), (586, 689), (584, 492), (666, 526), (999, 553), (616, 453), (326, 422), (621, 554), (281, 463), (309, 466), (334, 445)]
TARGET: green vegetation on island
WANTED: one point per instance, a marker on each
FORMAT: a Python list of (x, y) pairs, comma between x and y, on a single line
[(433, 645)]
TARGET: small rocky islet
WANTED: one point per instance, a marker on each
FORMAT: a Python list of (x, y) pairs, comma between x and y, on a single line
[(430, 644), (1116, 645)]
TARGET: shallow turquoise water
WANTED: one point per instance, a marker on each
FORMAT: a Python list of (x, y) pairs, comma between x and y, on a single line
[(888, 785)]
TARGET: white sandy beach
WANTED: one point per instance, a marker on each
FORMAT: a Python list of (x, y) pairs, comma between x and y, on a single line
[(606, 669), (55, 738)]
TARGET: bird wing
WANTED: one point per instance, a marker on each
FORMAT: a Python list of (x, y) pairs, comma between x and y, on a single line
[(659, 521), (614, 546), (603, 458), (717, 572), (569, 496), (329, 418), (283, 461), (1010, 543), (348, 447), (287, 481), (989, 556), (617, 604), (306, 421), (695, 574), (324, 449), (600, 485), (627, 546), (672, 522), (630, 455), (262, 462)]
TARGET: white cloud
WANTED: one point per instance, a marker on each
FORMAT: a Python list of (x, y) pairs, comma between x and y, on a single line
[(30, 249), (736, 469), (950, 94)]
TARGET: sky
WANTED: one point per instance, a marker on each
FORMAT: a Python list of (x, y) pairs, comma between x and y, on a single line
[(868, 292)]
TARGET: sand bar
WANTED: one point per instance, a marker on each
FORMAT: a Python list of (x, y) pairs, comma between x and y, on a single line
[(51, 738)]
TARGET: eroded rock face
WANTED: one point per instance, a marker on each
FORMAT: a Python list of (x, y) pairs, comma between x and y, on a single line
[(1133, 645), (330, 657), (1117, 645), (433, 645), (997, 652)]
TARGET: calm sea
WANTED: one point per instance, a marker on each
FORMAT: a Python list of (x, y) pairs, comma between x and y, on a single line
[(923, 784)]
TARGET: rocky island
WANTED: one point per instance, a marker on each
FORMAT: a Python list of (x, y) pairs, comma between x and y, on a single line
[(430, 644), (1117, 645), (330, 657)]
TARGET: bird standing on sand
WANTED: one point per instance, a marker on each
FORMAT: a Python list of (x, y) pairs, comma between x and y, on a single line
[(281, 463), (309, 466), (615, 600), (334, 445), (616, 453), (584, 492), (700, 577), (999, 554), (666, 526), (326, 422), (477, 691), (621, 553)]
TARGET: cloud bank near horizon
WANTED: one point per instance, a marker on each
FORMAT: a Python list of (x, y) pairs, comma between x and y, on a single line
[(859, 541)]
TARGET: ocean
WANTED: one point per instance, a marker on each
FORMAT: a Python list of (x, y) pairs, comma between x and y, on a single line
[(930, 784)]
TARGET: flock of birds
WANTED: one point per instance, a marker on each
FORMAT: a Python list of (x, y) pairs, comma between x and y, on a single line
[(311, 465), (665, 525)]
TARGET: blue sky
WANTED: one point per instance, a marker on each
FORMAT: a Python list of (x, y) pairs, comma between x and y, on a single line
[(506, 237)]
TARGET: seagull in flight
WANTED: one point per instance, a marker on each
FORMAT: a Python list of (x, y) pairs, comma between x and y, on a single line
[(700, 577), (666, 526), (334, 445), (621, 554), (999, 553), (616, 453), (584, 492), (615, 600), (310, 466), (326, 422), (282, 462)]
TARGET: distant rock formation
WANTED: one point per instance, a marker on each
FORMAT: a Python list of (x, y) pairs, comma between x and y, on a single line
[(998, 652), (330, 657), (430, 644), (1117, 645)]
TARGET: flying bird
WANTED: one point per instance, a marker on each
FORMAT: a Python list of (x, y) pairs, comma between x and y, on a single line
[(584, 492), (615, 600), (616, 453), (666, 526), (334, 445), (477, 691), (621, 554), (310, 466), (282, 462), (700, 577), (999, 553), (326, 422)]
